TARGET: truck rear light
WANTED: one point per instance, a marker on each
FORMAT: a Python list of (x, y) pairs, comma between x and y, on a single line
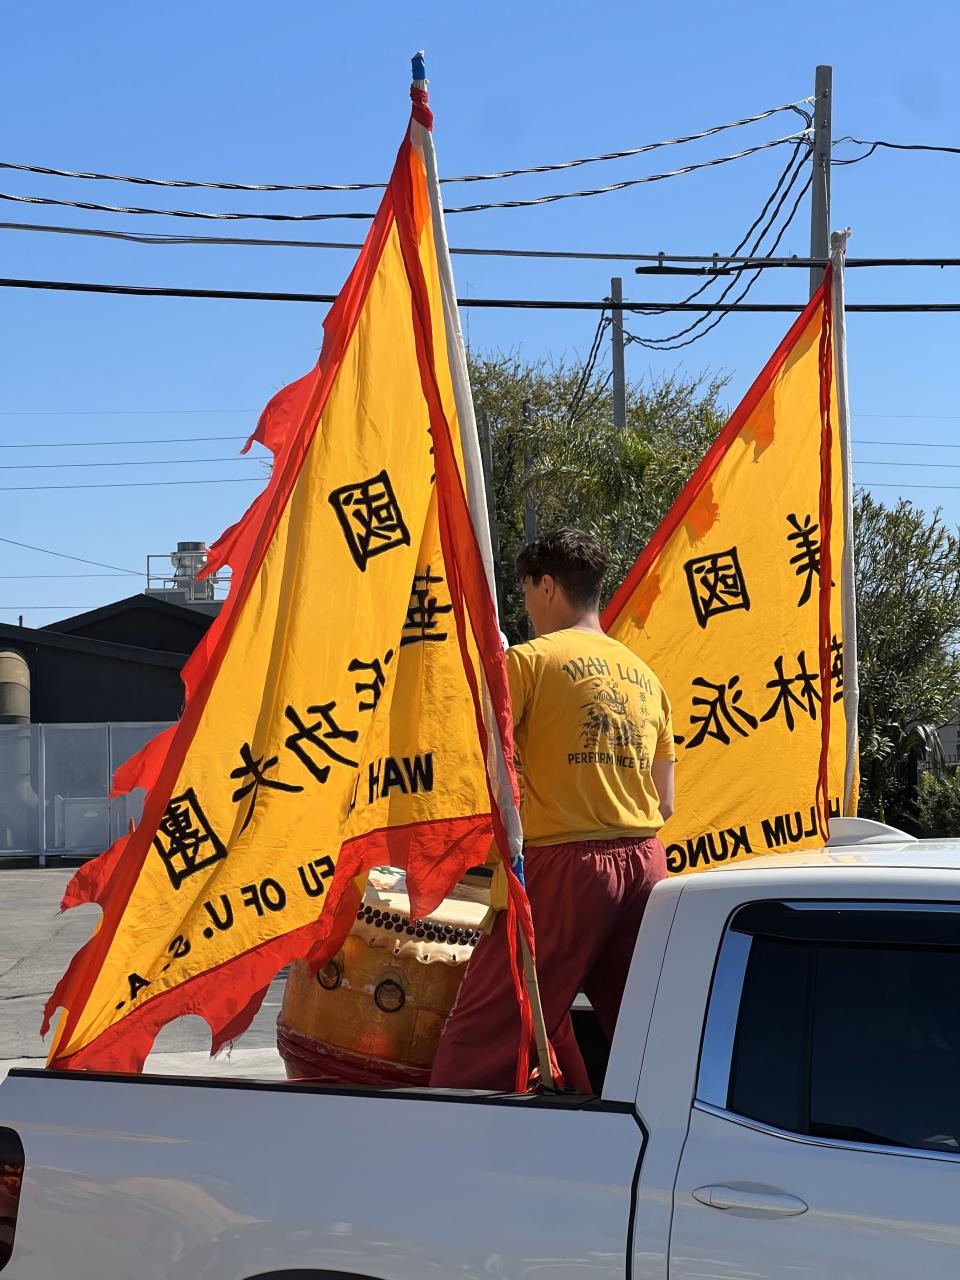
[(11, 1179)]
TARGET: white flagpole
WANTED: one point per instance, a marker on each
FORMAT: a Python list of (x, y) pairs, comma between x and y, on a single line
[(476, 498), (456, 354), (470, 444), (848, 586)]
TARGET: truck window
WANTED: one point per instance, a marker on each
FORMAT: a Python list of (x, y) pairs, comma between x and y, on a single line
[(847, 1025), (767, 1077), (885, 1049)]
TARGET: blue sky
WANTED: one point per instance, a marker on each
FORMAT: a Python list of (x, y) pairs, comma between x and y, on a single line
[(299, 92)]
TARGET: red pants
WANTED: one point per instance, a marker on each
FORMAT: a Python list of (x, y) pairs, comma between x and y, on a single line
[(587, 900)]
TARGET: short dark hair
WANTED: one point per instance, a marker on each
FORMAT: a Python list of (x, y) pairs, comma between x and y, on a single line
[(573, 557)]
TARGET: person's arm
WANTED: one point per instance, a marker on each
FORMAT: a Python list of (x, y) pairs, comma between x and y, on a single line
[(663, 780), (665, 760), (519, 678)]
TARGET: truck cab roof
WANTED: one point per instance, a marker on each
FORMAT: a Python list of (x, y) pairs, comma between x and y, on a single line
[(913, 855), (856, 842)]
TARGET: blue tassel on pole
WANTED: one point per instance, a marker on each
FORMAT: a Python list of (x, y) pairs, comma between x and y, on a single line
[(419, 67), (518, 870)]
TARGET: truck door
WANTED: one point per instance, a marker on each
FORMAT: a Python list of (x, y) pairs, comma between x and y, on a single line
[(824, 1139)]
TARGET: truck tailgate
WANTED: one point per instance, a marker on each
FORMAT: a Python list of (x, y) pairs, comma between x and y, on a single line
[(151, 1177)]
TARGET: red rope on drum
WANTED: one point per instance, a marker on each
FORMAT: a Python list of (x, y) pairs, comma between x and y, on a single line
[(309, 1059)]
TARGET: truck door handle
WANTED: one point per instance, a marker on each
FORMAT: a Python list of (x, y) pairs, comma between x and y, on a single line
[(766, 1204)]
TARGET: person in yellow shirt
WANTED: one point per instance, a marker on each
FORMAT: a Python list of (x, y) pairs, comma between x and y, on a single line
[(596, 758)]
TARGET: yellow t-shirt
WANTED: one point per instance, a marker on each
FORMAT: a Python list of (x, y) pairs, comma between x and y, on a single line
[(589, 720)]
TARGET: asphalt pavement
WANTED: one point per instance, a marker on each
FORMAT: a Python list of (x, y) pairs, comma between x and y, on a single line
[(36, 945)]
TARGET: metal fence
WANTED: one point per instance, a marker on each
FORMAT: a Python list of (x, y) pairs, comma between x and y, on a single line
[(55, 786)]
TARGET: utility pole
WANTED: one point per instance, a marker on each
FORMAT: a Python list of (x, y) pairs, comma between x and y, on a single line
[(616, 333), (820, 190), (486, 457)]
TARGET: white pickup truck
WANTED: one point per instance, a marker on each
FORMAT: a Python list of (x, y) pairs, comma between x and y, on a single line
[(782, 1100)]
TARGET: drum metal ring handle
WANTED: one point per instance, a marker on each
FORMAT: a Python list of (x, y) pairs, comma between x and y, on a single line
[(389, 995), (331, 975)]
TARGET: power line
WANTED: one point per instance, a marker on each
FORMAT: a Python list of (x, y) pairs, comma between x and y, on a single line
[(63, 555), (629, 182), (889, 484), (884, 144), (506, 304), (24, 608), (51, 201), (789, 177), (125, 413), (87, 444), (756, 222), (876, 484), (137, 413), (31, 577), (600, 391), (99, 444), (76, 444), (571, 416), (855, 160), (785, 177), (889, 462), (148, 237), (161, 291), (572, 255), (90, 444), (126, 484), (909, 444), (138, 462), (588, 367), (715, 259), (156, 238), (738, 302), (47, 170)]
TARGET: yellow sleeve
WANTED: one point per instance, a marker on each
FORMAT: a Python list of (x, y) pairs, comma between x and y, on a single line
[(520, 678), (666, 749)]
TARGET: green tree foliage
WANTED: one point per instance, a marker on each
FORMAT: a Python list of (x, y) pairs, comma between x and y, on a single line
[(908, 622), (938, 803), (581, 470)]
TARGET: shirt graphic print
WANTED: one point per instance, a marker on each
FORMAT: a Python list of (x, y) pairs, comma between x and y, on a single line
[(590, 719)]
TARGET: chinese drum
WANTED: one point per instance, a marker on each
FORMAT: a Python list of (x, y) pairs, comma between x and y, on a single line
[(374, 1015)]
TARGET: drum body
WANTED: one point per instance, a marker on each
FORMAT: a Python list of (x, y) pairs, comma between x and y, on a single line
[(374, 1015)]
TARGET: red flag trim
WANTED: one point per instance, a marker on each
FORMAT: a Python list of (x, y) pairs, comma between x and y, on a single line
[(825, 583), (227, 997)]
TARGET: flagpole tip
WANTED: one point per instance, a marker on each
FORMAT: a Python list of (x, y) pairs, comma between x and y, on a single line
[(419, 69), (838, 239)]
